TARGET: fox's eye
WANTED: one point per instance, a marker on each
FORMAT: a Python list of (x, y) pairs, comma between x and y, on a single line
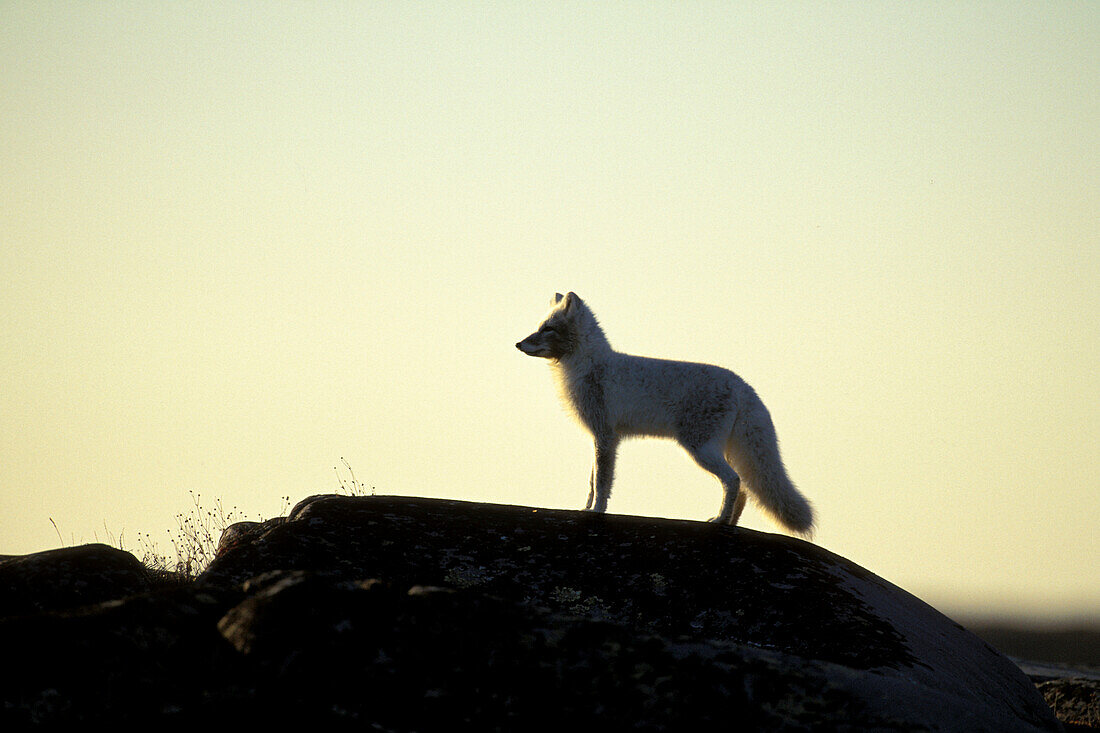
[(548, 330)]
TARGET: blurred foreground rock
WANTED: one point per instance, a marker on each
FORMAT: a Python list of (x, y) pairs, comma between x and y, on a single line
[(417, 614)]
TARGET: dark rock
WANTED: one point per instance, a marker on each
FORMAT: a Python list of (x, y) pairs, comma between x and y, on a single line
[(61, 579), (239, 532), (419, 614), (135, 659), (418, 658)]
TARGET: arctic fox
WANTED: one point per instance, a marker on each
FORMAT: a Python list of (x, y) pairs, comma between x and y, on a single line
[(710, 411)]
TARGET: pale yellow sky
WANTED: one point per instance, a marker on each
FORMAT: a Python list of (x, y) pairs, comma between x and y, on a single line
[(241, 241)]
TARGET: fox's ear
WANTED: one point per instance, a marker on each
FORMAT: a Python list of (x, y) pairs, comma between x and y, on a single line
[(556, 299), (571, 300)]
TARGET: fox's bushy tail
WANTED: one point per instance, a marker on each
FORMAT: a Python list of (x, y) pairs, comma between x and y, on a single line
[(753, 451)]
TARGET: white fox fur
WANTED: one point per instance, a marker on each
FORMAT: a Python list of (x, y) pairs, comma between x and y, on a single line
[(710, 411)]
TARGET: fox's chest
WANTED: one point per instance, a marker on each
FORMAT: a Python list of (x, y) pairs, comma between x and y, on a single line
[(600, 402), (585, 394)]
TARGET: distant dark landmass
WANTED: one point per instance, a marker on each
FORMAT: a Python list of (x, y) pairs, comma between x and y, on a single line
[(1072, 645)]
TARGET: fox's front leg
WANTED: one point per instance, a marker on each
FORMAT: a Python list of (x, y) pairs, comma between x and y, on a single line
[(603, 472)]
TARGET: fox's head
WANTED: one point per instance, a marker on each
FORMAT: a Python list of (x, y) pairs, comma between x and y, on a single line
[(560, 333)]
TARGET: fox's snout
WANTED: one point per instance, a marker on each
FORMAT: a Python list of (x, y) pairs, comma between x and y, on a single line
[(526, 347), (533, 345)]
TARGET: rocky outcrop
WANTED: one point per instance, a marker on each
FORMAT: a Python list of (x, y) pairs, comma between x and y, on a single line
[(418, 614), (1076, 700), (69, 577)]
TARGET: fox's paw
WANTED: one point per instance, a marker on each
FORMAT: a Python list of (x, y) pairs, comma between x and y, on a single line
[(722, 520)]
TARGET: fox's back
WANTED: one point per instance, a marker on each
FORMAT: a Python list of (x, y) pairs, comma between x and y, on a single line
[(648, 396)]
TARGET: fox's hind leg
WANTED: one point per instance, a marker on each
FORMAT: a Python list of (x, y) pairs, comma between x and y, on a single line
[(733, 503), (591, 487), (738, 507), (710, 458)]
